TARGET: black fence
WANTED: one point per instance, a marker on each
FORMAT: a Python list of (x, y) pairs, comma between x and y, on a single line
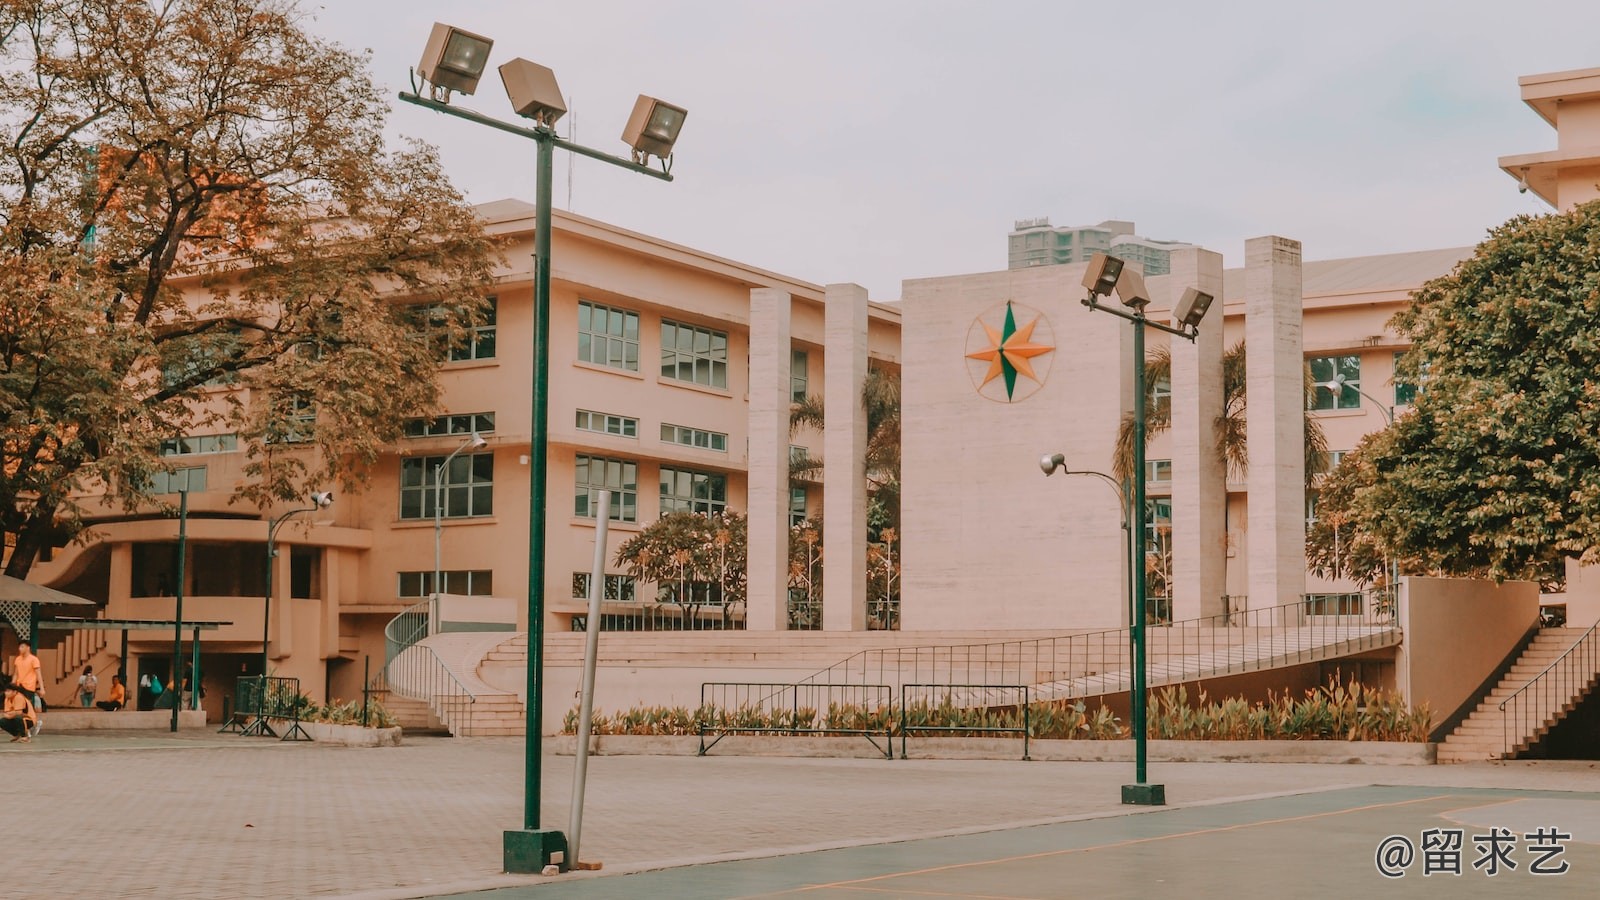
[(258, 700), (759, 708), (964, 710)]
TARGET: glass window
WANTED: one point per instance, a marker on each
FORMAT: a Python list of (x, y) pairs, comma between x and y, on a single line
[(1158, 470), (608, 336), (694, 437), (200, 443), (797, 506), (694, 354), (605, 423), (1338, 380), (683, 490), (799, 382), (473, 583), (1405, 392), (190, 478), (467, 486), (619, 476), (1157, 524), (463, 424), (618, 588), (480, 339)]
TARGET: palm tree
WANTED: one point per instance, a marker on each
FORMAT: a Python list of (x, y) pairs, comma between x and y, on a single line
[(880, 396)]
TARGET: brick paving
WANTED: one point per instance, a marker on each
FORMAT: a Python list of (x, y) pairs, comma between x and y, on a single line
[(203, 815)]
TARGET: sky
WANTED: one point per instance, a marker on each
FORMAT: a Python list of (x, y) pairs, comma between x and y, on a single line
[(879, 140)]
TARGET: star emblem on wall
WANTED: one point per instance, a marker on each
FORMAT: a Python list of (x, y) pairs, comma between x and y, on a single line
[(1002, 351)]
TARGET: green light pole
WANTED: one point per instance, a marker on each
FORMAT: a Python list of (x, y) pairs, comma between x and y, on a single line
[(1105, 274), (530, 849), (319, 500)]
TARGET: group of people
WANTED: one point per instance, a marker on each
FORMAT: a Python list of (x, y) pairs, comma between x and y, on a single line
[(24, 694)]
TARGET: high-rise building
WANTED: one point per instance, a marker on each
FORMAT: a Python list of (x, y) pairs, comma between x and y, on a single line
[(1035, 242)]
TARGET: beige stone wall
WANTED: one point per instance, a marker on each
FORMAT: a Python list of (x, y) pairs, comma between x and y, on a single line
[(1457, 631)]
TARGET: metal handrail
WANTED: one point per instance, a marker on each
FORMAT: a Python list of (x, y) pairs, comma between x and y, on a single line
[(412, 624), (417, 673), (1098, 663), (1570, 676)]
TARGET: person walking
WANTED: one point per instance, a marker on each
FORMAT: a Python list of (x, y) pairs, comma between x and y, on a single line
[(26, 675), (88, 686)]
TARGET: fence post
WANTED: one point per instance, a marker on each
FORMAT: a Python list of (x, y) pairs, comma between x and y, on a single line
[(366, 687)]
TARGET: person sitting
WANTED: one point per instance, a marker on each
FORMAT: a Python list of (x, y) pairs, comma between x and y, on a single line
[(119, 696), (17, 718)]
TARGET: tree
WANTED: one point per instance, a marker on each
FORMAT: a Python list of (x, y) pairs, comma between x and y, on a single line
[(1495, 472), (193, 194), (694, 559)]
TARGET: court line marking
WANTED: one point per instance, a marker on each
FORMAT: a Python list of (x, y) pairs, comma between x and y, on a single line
[(1115, 844), (901, 892)]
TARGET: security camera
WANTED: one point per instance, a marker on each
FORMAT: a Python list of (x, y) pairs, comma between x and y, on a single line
[(1049, 462), (1522, 183), (323, 499)]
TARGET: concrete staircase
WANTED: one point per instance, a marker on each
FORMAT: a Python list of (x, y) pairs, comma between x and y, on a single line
[(1485, 733), (491, 711)]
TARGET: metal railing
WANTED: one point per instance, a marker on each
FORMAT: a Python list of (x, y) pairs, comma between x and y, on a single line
[(1528, 714), (413, 624), (728, 707), (667, 617), (417, 673), (964, 710), (1098, 663)]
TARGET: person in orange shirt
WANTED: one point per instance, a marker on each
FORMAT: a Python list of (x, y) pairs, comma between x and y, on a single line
[(119, 696), (25, 674), (18, 716)]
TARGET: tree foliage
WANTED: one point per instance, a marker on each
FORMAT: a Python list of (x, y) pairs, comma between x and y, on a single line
[(1496, 471), (694, 560), (880, 397), (201, 231)]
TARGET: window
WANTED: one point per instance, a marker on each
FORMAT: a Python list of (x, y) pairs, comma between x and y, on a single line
[(605, 423), (464, 423), (201, 443), (1161, 396), (480, 339), (1328, 372), (619, 476), (300, 422), (799, 383), (694, 437), (1405, 392), (191, 478), (618, 588), (607, 336), (1157, 525), (1332, 458), (195, 355), (467, 486), (686, 491), (797, 506), (693, 354), (1158, 470), (473, 583)]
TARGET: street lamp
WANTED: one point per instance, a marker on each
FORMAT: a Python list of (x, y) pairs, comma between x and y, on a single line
[(1049, 463), (534, 94), (319, 500), (476, 442), (1104, 275)]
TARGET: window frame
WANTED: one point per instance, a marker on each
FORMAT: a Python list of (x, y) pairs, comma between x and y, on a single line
[(470, 476), (625, 495), (424, 581), (587, 336), (675, 357), (1349, 396), (710, 505), (627, 426)]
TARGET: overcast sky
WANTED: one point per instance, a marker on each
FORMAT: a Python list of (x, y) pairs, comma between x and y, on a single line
[(872, 141)]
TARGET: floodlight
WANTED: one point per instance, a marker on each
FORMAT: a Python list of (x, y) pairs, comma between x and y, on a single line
[(653, 128), (322, 499), (533, 91), (1131, 290), (454, 59), (1049, 462), (477, 442), (1192, 307), (1101, 276)]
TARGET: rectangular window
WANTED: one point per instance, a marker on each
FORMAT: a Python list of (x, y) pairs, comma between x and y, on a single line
[(200, 443), (1157, 525), (1159, 470), (1405, 392), (463, 423), (473, 583), (605, 423), (683, 490), (797, 506), (608, 336), (619, 476), (480, 339), (799, 381), (1161, 396), (467, 486), (1338, 380), (694, 437), (617, 588), (191, 479), (694, 354)]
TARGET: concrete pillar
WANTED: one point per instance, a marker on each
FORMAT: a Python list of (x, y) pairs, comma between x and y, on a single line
[(844, 450), (281, 629), (1199, 477), (767, 493), (1275, 421), (331, 579)]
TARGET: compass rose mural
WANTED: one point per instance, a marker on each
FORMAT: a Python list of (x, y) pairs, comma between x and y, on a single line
[(1009, 349)]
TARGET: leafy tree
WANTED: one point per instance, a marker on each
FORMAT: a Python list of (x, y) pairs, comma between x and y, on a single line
[(1496, 470), (195, 194), (1335, 546), (694, 559)]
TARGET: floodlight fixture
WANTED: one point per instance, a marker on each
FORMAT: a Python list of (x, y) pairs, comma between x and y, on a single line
[(653, 128), (323, 499), (1050, 462), (1131, 290), (1101, 276), (453, 60), (533, 91), (1192, 307)]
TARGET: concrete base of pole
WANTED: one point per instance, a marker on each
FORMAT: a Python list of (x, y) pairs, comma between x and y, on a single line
[(1144, 794), (529, 851)]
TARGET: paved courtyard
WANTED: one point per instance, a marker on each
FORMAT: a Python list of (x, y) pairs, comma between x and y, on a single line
[(203, 815)]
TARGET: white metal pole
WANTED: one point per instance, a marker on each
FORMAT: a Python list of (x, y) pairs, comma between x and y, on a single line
[(591, 651)]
